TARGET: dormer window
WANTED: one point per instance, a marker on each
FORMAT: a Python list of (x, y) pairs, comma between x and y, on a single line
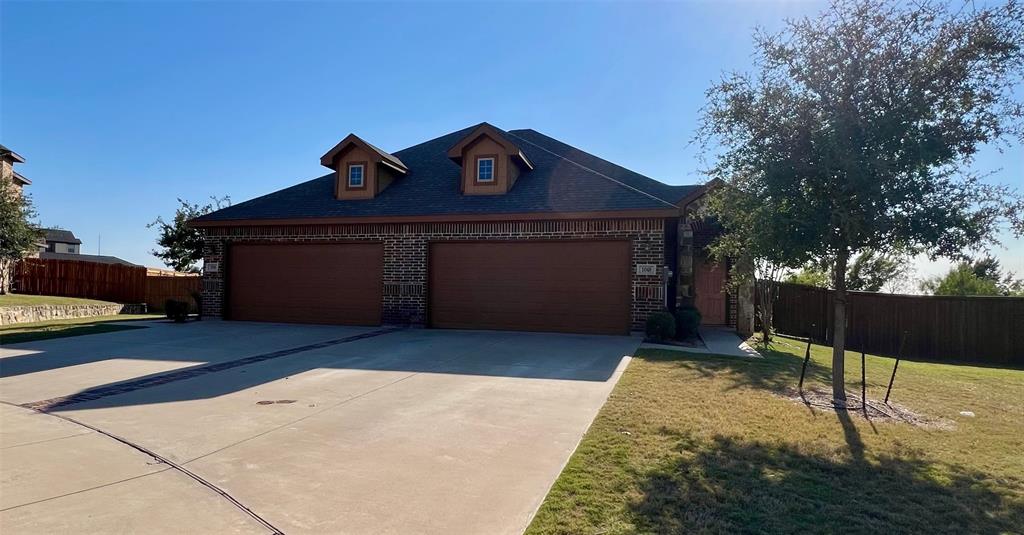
[(356, 175), (490, 163), (485, 169)]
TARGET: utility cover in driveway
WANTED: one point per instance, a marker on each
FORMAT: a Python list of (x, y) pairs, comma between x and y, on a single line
[(337, 283), (561, 286)]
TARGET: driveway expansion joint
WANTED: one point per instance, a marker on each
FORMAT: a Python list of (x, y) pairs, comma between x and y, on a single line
[(93, 394), (171, 465)]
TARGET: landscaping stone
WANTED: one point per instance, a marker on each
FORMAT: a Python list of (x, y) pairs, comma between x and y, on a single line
[(29, 314)]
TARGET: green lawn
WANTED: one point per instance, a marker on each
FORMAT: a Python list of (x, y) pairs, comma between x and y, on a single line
[(703, 444), (43, 330), (10, 300)]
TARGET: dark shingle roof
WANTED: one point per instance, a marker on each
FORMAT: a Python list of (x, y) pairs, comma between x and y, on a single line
[(6, 152), (60, 236), (99, 259), (564, 179)]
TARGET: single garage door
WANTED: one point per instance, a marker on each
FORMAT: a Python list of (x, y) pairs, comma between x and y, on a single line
[(306, 283), (561, 286)]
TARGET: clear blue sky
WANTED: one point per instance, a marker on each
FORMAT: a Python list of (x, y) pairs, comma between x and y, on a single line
[(119, 108)]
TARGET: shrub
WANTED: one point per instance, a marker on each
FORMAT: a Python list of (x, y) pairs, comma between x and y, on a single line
[(661, 326), (687, 321), (176, 310), (198, 298)]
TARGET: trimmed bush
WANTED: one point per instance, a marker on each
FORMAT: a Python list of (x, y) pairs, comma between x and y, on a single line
[(660, 326), (687, 321), (176, 310)]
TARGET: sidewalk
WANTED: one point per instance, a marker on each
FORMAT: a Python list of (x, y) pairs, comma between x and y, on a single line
[(717, 341)]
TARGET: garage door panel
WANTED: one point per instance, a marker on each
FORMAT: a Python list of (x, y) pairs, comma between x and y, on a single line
[(569, 286), (306, 283)]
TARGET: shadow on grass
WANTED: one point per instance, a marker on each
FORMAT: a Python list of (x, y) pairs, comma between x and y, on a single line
[(777, 371), (727, 485), (60, 331)]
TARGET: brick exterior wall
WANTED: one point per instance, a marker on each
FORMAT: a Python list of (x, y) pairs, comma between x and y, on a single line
[(405, 254)]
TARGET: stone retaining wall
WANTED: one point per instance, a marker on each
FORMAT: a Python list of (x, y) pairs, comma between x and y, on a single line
[(28, 314)]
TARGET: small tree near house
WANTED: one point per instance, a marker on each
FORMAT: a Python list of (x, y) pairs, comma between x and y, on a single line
[(18, 235), (857, 132), (181, 246)]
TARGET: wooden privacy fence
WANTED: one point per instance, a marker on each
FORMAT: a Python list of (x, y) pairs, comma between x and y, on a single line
[(108, 282), (938, 328), (74, 278), (160, 288)]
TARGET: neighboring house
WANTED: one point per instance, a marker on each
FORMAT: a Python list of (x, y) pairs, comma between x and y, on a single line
[(7, 160), (99, 259), (8, 175), (60, 241), (479, 228)]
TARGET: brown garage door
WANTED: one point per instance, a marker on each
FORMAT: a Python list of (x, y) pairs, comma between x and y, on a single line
[(306, 283), (567, 286)]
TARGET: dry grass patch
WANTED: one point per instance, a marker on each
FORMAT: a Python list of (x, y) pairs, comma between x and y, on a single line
[(710, 444)]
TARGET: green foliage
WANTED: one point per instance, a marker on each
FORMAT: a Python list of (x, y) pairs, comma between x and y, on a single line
[(981, 277), (869, 272), (181, 247), (858, 131), (18, 235), (660, 326), (811, 276), (687, 322), (873, 272)]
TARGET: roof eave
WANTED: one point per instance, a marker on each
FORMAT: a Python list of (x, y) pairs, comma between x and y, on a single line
[(647, 213)]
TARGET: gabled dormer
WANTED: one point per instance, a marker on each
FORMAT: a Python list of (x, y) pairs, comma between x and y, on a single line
[(491, 163), (361, 170)]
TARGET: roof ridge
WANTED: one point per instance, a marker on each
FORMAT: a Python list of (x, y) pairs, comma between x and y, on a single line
[(466, 129), (598, 173)]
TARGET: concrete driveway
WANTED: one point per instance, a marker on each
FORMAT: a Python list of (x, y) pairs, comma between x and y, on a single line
[(302, 429)]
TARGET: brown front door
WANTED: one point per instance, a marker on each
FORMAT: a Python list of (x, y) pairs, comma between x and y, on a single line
[(561, 286), (338, 283), (709, 289)]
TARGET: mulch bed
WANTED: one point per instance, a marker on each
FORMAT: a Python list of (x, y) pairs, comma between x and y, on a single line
[(877, 410)]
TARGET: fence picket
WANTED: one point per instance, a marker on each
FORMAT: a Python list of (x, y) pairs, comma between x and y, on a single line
[(939, 328)]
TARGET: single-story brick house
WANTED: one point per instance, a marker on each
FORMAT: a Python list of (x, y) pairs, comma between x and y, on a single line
[(479, 228)]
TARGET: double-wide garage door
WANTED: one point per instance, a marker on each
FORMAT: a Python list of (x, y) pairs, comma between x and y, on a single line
[(337, 283), (562, 286)]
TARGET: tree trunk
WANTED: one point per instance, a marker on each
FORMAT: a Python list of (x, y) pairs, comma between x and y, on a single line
[(839, 330), (6, 273), (767, 306)]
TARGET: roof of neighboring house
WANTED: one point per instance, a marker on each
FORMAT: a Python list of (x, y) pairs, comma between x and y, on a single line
[(21, 178), (100, 259), (564, 179), (6, 152), (60, 236)]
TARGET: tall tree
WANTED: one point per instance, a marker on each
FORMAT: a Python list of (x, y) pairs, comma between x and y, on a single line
[(857, 132), (868, 272), (981, 277), (181, 246), (874, 272), (18, 235)]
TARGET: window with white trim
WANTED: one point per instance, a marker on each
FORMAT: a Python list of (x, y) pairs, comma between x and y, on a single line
[(485, 170), (355, 175)]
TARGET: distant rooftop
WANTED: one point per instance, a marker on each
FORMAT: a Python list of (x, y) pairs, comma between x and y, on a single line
[(8, 153), (100, 259), (61, 236)]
